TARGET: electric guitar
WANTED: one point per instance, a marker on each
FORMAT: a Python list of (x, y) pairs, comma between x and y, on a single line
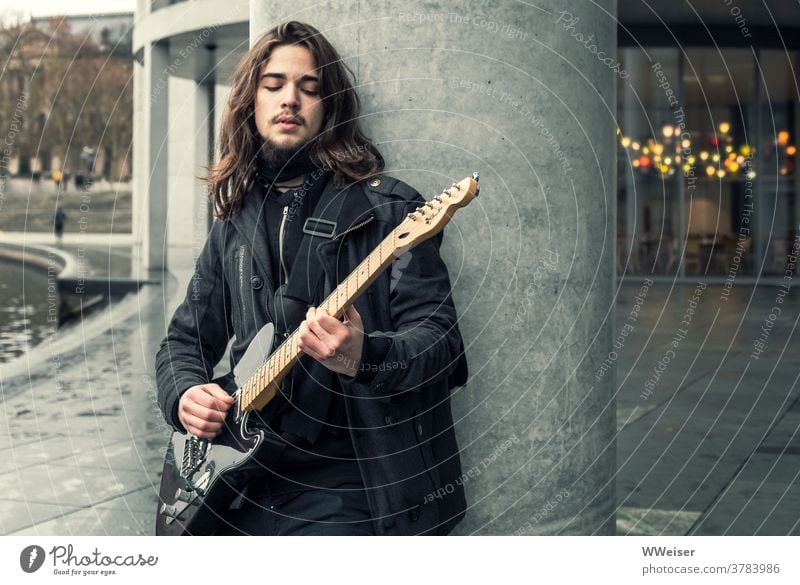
[(201, 475)]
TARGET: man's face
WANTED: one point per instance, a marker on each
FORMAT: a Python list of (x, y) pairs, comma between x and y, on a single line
[(288, 108)]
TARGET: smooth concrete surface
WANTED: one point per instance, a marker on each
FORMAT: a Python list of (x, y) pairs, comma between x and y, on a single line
[(507, 89), (151, 149)]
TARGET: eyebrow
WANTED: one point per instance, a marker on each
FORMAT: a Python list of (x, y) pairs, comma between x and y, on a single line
[(284, 78)]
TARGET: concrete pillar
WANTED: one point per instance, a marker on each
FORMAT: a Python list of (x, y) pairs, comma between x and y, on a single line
[(520, 93), (191, 123), (151, 105)]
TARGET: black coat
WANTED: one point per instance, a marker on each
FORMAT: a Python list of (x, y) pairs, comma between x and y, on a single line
[(401, 422)]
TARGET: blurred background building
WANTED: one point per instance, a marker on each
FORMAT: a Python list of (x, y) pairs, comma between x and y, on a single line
[(66, 81), (708, 121)]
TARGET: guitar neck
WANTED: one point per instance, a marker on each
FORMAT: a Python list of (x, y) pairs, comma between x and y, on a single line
[(262, 386)]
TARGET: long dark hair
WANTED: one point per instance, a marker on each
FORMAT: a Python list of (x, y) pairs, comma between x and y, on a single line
[(340, 147)]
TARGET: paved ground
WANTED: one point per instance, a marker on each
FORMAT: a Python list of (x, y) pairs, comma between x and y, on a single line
[(707, 441), (81, 438)]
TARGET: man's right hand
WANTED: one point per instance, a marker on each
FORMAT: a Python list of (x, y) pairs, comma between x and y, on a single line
[(202, 409)]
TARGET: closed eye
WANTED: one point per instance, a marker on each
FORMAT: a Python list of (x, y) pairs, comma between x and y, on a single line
[(311, 92)]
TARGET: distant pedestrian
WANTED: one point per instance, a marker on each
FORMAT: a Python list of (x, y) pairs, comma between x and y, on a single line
[(56, 176), (58, 223)]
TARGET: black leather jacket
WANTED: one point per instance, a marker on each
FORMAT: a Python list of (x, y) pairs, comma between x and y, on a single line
[(401, 422)]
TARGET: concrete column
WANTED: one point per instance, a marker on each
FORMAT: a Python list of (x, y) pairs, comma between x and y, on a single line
[(191, 123), (525, 95), (151, 105)]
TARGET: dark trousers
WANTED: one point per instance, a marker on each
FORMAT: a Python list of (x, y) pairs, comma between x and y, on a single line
[(326, 512)]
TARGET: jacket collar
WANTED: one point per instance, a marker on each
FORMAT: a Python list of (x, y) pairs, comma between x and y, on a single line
[(249, 220)]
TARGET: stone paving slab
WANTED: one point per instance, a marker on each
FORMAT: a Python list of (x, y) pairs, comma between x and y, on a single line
[(35, 452), (69, 486), (94, 521), (633, 521), (763, 499), (16, 515), (144, 500)]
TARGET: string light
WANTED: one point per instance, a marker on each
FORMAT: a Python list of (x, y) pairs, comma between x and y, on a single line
[(651, 153)]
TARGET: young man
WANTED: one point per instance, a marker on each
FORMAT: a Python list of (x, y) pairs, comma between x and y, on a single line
[(362, 434)]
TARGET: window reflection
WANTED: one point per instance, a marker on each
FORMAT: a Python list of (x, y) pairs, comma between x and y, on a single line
[(707, 179)]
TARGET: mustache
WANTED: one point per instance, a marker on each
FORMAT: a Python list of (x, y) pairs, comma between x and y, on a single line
[(296, 117)]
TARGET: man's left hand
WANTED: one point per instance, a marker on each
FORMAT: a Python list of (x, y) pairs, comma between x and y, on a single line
[(337, 345)]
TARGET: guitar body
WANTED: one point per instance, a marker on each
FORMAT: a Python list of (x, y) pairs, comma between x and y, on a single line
[(201, 478)]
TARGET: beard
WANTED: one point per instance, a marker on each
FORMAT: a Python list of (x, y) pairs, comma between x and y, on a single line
[(278, 157)]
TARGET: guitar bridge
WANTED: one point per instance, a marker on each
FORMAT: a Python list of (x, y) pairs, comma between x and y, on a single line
[(194, 453)]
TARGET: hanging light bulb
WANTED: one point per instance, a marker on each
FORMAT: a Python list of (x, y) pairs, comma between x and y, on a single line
[(710, 170), (625, 142), (724, 127), (686, 143), (720, 173), (703, 155), (783, 137), (636, 146), (668, 131), (791, 150)]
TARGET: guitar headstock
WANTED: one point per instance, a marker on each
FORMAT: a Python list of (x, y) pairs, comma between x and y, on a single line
[(430, 218)]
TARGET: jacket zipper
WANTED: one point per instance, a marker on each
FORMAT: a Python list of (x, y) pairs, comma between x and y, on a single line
[(280, 243), (241, 277)]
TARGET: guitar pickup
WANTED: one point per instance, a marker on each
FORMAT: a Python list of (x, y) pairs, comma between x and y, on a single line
[(172, 513)]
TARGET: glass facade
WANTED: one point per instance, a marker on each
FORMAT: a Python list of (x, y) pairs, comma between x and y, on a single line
[(706, 161)]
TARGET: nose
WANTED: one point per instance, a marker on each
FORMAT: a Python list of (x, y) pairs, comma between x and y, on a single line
[(290, 97)]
